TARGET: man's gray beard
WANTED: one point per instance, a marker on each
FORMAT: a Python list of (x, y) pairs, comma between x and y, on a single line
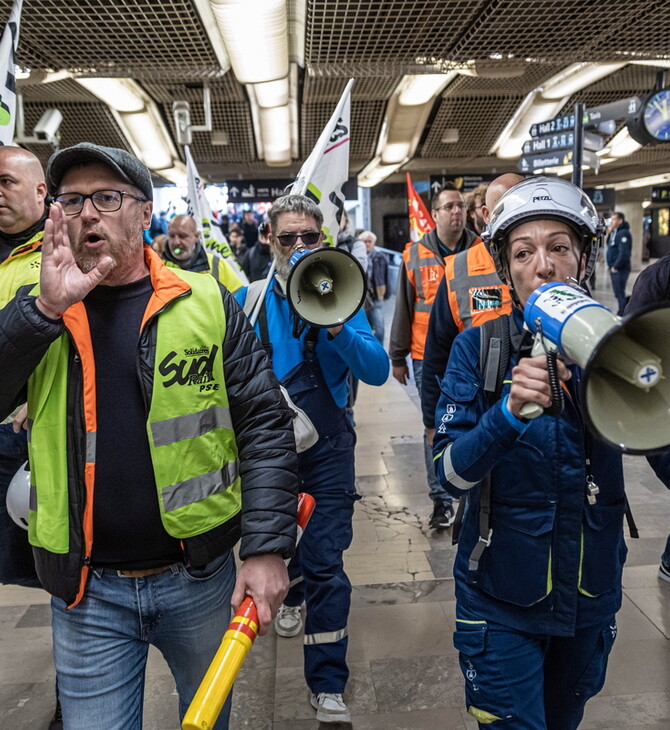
[(86, 262), (283, 268)]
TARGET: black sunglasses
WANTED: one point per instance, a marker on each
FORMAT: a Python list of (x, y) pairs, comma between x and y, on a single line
[(309, 238)]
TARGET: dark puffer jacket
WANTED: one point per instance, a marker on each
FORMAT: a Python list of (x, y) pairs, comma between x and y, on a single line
[(261, 422)]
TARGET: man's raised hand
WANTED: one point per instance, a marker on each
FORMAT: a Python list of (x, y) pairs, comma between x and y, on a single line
[(62, 282)]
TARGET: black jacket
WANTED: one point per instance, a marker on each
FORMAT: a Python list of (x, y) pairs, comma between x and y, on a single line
[(260, 417), (619, 246), (257, 262)]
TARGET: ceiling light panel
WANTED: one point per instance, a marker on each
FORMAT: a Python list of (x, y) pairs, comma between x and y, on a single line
[(133, 38), (255, 33)]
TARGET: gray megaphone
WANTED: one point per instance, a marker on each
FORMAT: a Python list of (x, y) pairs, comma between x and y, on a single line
[(326, 286), (625, 395)]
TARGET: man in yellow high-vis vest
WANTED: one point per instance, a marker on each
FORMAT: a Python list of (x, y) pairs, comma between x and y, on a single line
[(158, 437)]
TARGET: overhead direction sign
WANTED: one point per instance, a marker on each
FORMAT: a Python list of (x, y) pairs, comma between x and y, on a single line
[(465, 183), (560, 141), (532, 163), (660, 194), (551, 126), (596, 115), (603, 197), (615, 110)]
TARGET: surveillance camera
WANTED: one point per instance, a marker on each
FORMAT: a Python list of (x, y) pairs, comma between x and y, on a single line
[(46, 130), (182, 121)]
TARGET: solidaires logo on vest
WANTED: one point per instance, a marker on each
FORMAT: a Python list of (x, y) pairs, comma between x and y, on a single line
[(486, 297), (196, 367)]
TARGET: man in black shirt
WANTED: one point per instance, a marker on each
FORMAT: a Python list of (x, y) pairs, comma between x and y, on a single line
[(159, 437)]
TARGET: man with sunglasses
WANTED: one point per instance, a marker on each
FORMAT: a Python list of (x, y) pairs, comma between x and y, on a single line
[(314, 368), (418, 280), (145, 386)]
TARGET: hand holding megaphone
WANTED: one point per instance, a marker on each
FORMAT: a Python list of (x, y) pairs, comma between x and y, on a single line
[(625, 395)]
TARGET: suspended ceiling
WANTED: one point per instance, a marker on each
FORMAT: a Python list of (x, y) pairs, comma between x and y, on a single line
[(170, 48)]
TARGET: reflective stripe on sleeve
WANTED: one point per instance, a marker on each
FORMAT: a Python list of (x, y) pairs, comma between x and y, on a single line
[(327, 637), (450, 473)]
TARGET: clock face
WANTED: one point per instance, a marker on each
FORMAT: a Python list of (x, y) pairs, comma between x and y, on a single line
[(657, 116)]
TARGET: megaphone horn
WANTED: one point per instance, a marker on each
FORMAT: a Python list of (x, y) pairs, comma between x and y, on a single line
[(626, 396), (326, 286)]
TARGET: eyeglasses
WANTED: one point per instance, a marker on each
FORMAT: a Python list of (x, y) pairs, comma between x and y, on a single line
[(309, 238), (104, 201), (450, 206)]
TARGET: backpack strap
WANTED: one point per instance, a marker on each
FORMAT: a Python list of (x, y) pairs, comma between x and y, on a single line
[(254, 291), (253, 295), (495, 345)]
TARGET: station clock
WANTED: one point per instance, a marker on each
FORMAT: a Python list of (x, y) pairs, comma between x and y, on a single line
[(651, 124)]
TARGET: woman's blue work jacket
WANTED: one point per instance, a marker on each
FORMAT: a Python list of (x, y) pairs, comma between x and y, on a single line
[(554, 562)]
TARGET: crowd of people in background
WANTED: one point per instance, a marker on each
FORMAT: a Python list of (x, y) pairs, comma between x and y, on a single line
[(78, 285)]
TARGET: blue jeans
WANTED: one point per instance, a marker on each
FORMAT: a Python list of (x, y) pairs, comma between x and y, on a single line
[(16, 555), (531, 682), (375, 317), (619, 280), (101, 645), (435, 490), (666, 555)]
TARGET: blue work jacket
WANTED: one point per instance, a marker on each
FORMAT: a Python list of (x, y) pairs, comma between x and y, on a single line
[(354, 349), (554, 562)]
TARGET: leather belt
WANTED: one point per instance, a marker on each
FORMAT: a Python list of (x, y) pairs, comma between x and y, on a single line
[(143, 573)]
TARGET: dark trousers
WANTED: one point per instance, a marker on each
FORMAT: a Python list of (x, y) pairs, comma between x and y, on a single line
[(619, 279), (16, 555), (527, 681), (327, 473)]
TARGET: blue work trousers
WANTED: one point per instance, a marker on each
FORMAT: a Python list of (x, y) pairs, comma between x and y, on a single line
[(520, 681), (101, 645), (16, 555), (327, 473), (436, 491)]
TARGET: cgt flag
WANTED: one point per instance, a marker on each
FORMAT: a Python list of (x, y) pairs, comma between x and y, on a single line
[(8, 44), (420, 220), (199, 208), (326, 170)]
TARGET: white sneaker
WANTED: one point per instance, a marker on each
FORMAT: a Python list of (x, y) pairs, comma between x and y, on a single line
[(288, 621), (330, 707)]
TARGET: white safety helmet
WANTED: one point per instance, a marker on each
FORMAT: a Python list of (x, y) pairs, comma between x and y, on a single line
[(18, 496), (539, 198)]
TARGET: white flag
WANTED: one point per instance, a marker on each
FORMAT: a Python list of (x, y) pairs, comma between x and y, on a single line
[(8, 44), (198, 206), (326, 170)]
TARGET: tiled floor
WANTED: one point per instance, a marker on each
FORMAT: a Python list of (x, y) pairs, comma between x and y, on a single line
[(404, 670)]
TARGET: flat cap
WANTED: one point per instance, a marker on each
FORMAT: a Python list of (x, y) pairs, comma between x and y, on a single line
[(129, 168)]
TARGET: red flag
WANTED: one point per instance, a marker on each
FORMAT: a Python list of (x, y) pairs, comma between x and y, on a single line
[(420, 220)]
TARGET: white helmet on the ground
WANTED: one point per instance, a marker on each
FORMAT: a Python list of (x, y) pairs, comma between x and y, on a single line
[(18, 496), (540, 198)]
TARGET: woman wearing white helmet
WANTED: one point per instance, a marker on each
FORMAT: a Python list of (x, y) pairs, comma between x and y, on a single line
[(539, 562)]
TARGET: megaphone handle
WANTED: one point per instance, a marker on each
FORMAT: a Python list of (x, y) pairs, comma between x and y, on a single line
[(531, 410), (557, 404)]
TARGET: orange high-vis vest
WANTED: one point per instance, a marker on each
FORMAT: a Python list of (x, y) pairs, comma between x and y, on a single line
[(474, 289), (425, 270)]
